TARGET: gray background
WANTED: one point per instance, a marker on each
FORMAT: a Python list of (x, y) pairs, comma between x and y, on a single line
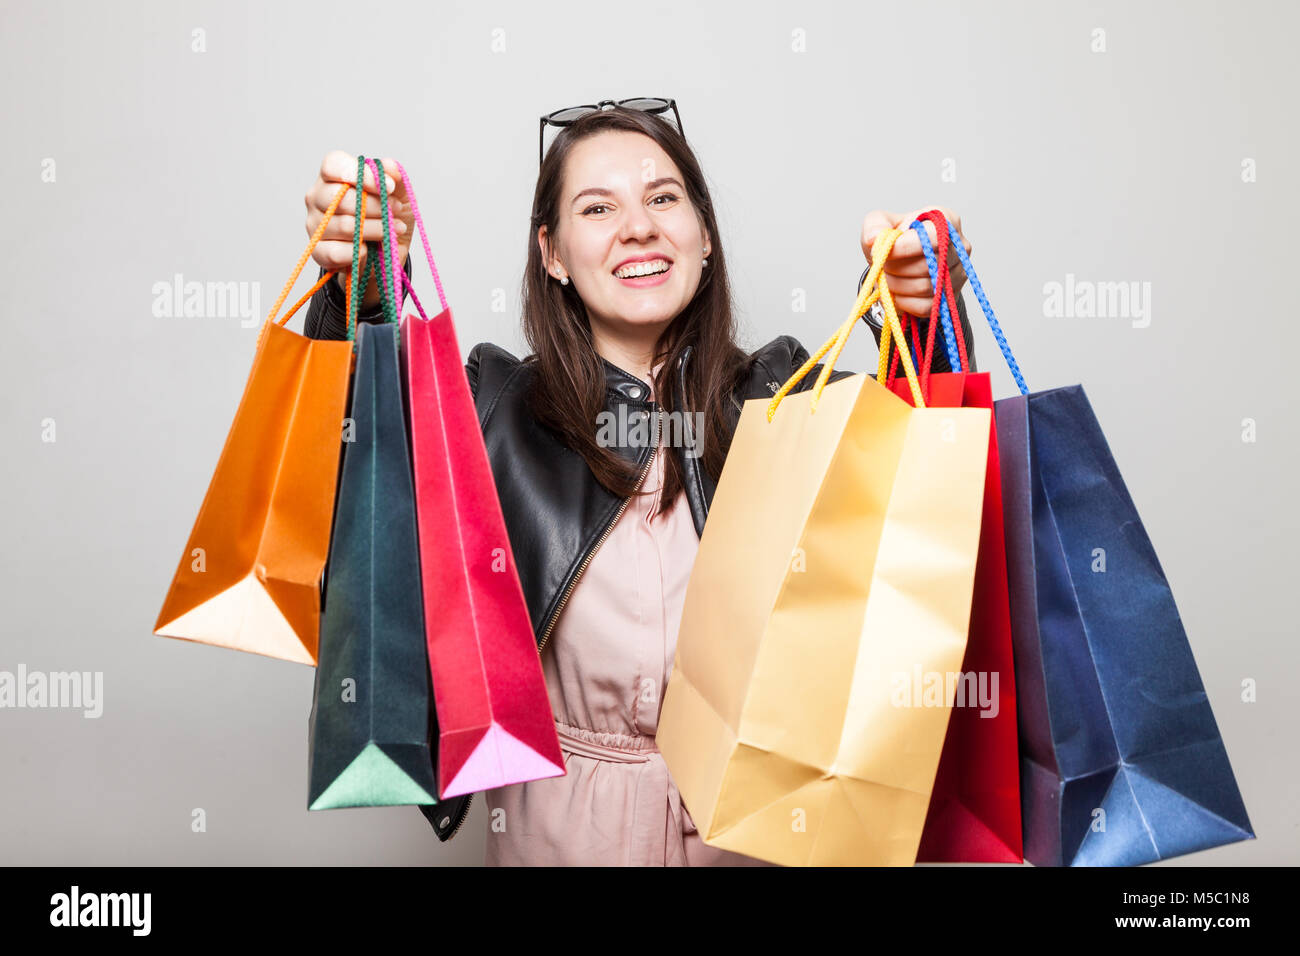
[(1115, 166)]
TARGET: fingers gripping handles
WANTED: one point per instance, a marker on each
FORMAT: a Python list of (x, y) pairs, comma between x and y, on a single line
[(388, 266)]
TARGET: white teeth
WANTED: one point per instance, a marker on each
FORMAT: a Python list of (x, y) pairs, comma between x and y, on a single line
[(642, 269)]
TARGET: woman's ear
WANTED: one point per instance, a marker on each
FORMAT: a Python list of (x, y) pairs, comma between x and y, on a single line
[(544, 244)]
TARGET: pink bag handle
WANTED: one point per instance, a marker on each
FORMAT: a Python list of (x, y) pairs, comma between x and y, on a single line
[(398, 272)]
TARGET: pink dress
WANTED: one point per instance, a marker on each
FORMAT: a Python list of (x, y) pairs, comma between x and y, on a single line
[(606, 664)]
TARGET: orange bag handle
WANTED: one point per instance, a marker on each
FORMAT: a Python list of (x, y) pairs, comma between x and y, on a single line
[(297, 270)]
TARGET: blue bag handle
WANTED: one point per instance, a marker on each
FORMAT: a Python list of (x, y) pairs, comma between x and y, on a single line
[(949, 337), (945, 319)]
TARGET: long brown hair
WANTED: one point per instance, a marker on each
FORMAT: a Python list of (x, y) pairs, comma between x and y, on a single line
[(567, 392)]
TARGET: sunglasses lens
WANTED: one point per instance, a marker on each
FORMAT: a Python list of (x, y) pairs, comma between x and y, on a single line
[(645, 103), (571, 114)]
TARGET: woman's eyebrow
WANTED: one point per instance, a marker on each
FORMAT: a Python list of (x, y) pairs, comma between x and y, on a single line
[(653, 184)]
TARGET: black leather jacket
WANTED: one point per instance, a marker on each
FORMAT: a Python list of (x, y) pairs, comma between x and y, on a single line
[(556, 513)]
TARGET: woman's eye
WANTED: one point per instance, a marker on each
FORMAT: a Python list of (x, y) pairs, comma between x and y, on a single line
[(670, 197)]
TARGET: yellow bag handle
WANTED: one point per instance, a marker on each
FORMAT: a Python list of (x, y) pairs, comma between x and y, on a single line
[(874, 288), (893, 326)]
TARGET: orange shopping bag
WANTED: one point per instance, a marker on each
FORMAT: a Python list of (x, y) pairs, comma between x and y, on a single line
[(249, 577)]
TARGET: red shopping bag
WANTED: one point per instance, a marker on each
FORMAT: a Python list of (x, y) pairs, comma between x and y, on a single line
[(493, 711), (974, 813)]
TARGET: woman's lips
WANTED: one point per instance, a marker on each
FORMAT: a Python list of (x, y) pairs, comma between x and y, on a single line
[(642, 281)]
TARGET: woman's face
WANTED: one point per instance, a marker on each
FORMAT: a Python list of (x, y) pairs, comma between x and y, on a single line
[(623, 199)]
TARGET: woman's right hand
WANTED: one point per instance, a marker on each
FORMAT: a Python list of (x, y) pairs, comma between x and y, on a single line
[(906, 268), (334, 251)]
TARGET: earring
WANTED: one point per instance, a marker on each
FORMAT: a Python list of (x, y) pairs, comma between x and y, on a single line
[(564, 280), (706, 258)]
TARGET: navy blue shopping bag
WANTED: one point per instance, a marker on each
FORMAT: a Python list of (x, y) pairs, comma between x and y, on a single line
[(1121, 760)]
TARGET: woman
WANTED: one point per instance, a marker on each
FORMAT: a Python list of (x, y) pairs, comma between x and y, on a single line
[(627, 309)]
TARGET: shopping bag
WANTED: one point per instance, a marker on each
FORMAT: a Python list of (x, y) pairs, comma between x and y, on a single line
[(493, 710), (369, 726), (836, 567), (1121, 760), (974, 813), (250, 575)]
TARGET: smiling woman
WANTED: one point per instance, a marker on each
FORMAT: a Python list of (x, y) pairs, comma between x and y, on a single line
[(627, 310), (620, 188)]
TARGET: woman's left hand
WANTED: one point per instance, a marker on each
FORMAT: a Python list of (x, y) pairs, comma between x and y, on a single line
[(906, 269)]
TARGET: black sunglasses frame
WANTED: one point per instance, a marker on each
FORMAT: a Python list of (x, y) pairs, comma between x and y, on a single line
[(550, 120)]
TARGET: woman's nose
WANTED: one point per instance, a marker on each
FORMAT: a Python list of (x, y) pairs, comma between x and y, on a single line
[(638, 224)]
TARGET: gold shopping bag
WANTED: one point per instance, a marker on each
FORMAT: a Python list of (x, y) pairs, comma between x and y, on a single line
[(834, 577)]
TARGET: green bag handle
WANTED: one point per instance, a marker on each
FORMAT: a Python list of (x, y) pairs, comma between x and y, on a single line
[(358, 281), (387, 267)]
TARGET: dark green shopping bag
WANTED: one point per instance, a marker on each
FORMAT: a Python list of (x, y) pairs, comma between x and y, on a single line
[(370, 719), (369, 722)]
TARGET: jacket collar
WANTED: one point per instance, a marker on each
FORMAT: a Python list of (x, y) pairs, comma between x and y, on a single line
[(625, 383)]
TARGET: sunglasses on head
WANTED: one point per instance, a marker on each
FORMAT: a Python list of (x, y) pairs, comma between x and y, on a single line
[(571, 114)]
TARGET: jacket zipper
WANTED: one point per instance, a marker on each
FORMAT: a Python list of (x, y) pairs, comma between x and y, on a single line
[(463, 817), (590, 554), (572, 584)]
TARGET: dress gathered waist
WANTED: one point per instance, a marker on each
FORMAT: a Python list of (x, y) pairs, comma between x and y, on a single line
[(654, 794), (619, 748)]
